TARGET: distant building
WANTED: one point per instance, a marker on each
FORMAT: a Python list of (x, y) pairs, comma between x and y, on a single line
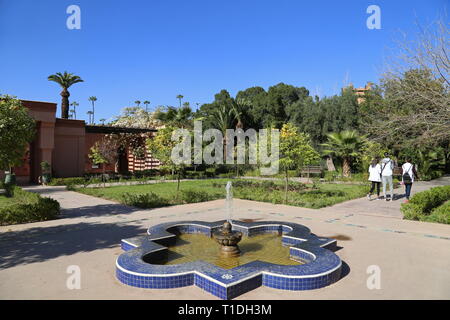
[(66, 143), (360, 92)]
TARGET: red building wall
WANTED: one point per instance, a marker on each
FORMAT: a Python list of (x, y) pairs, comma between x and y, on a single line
[(65, 144)]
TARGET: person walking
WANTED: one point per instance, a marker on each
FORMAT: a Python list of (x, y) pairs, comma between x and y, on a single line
[(375, 178), (387, 169), (408, 174)]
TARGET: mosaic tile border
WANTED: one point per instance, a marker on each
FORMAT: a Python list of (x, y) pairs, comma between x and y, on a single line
[(322, 267)]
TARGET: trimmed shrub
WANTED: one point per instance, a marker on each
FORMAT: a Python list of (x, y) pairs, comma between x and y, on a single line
[(146, 200), (422, 204), (32, 208), (191, 196), (440, 215)]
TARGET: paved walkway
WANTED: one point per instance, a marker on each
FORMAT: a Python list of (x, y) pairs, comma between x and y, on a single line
[(413, 256), (387, 208)]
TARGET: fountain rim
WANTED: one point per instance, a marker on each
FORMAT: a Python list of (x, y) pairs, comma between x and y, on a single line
[(323, 269)]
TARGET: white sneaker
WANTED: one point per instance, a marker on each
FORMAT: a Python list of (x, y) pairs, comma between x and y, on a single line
[(368, 197)]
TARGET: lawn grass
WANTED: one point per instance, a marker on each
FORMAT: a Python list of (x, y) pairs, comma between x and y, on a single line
[(325, 194), (24, 207), (5, 201), (20, 197)]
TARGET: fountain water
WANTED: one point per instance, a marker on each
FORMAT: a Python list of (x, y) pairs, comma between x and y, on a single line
[(229, 200), (225, 236)]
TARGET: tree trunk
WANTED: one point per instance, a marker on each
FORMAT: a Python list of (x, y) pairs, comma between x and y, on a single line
[(447, 158), (93, 113), (346, 167), (65, 104), (104, 175), (286, 186), (178, 184)]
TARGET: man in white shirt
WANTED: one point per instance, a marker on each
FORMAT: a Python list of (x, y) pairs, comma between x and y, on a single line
[(387, 168)]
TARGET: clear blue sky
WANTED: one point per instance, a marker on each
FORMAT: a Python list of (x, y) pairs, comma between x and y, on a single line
[(155, 49)]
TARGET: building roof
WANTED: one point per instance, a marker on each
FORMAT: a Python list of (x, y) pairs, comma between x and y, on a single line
[(111, 129)]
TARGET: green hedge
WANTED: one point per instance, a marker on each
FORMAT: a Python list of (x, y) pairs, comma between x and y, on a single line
[(67, 181), (145, 200), (440, 215), (31, 208), (267, 185), (421, 206), (192, 196), (152, 200)]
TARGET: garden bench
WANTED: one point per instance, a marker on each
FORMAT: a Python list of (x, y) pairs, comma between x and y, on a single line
[(311, 169), (397, 171)]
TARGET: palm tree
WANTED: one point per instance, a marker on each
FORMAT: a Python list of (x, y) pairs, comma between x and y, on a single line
[(222, 118), (146, 102), (103, 121), (239, 107), (177, 117), (90, 116), (137, 102), (74, 105), (179, 97), (93, 99), (65, 80), (72, 112), (346, 145)]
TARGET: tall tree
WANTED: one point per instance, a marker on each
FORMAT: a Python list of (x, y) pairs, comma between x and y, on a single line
[(146, 102), (416, 87), (74, 104), (17, 129), (89, 113), (180, 97), (92, 100), (65, 80)]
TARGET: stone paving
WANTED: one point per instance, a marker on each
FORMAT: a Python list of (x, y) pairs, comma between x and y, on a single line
[(414, 257)]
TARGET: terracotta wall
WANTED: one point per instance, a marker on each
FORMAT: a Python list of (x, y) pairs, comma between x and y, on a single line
[(65, 145), (42, 146), (69, 146)]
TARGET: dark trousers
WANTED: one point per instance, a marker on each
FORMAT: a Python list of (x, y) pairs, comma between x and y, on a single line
[(372, 188), (408, 187)]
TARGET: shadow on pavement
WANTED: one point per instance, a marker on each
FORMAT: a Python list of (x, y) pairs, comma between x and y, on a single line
[(43, 243), (97, 210)]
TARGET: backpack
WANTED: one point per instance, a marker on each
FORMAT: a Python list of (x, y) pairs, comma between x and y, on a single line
[(406, 177)]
